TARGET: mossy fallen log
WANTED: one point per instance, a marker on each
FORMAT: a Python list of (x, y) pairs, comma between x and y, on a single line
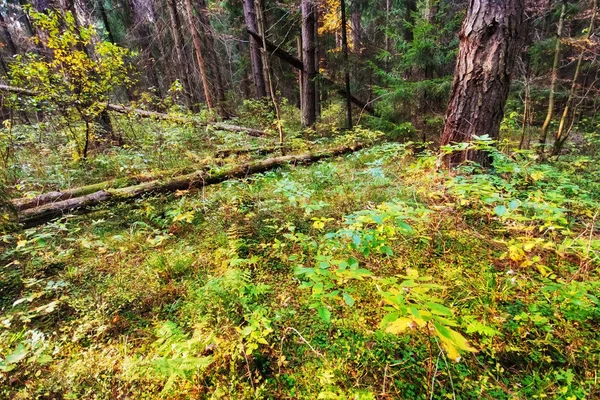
[(38, 215), (25, 203), (245, 150)]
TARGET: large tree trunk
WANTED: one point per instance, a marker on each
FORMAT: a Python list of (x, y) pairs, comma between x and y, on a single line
[(489, 43), (255, 56), (308, 106)]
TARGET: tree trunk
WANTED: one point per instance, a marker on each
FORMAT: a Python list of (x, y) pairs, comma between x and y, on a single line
[(550, 113), (346, 67), (411, 7), (296, 63), (489, 43), (255, 56), (199, 55), (178, 40), (267, 66), (356, 27), (308, 106), (562, 135), (212, 58)]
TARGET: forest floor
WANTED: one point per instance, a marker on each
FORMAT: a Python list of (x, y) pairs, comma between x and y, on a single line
[(373, 275)]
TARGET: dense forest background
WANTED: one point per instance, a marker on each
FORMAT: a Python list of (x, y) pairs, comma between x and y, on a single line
[(333, 199), (394, 61)]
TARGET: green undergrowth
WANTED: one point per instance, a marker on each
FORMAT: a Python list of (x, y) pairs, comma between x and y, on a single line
[(374, 275)]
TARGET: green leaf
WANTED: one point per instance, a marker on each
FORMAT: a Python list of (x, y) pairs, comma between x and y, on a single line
[(17, 355), (348, 299), (387, 250), (405, 227), (500, 210), (439, 309), (324, 313), (391, 317)]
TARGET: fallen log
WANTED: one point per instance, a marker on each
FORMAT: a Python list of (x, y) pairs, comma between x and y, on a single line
[(156, 115), (38, 215), (25, 203), (245, 150), (297, 63)]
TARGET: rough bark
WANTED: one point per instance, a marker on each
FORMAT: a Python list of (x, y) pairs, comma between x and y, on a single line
[(489, 43), (308, 106), (37, 215)]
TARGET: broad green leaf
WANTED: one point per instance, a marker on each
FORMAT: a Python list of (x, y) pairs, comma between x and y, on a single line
[(348, 299), (324, 313), (439, 309), (17, 355), (500, 210)]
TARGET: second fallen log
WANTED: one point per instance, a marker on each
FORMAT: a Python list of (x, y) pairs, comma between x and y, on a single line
[(37, 215)]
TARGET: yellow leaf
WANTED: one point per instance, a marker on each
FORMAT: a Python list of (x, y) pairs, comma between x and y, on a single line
[(21, 243), (452, 341), (400, 325)]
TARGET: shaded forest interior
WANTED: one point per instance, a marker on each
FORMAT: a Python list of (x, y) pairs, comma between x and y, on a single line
[(333, 199)]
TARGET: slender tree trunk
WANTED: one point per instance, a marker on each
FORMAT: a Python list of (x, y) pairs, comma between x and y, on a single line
[(178, 40), (411, 7), (346, 67), (309, 113), (526, 112), (255, 56), (318, 46), (267, 65), (550, 113), (561, 136), (211, 57), (489, 43), (199, 55), (300, 73), (356, 26)]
